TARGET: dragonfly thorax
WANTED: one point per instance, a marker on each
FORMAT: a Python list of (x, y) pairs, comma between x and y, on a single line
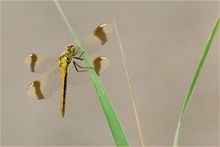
[(67, 56)]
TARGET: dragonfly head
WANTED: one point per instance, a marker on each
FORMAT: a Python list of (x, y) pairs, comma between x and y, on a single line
[(70, 49)]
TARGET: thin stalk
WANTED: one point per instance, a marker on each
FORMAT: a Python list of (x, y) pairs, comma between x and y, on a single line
[(195, 78), (130, 87)]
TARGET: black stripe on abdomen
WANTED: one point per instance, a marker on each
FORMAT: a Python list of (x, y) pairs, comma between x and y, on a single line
[(65, 86)]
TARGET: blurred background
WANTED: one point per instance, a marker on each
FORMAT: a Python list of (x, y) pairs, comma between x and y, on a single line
[(162, 41)]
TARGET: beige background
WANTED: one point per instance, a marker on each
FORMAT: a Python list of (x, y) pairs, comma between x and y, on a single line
[(162, 41)]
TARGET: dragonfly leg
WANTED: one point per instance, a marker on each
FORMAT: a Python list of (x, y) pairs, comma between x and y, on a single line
[(76, 65), (80, 56)]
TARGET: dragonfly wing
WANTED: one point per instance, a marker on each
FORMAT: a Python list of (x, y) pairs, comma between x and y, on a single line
[(45, 86), (39, 63), (100, 64), (97, 38)]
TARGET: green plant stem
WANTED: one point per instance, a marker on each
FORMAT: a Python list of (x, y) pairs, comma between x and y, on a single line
[(112, 119), (196, 75)]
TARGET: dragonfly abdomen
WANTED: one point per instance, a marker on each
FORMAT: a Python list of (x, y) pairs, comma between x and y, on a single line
[(63, 93)]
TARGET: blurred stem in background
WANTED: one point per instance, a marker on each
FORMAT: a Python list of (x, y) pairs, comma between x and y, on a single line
[(195, 78)]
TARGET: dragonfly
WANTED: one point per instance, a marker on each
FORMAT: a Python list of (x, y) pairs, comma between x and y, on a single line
[(70, 66)]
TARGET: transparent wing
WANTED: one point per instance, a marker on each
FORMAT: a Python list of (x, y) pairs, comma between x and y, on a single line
[(45, 86), (39, 63), (97, 38), (100, 64)]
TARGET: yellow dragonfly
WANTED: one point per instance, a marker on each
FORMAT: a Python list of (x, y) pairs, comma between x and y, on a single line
[(71, 67)]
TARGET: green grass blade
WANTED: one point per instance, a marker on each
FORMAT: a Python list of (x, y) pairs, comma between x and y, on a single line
[(112, 119), (192, 86)]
